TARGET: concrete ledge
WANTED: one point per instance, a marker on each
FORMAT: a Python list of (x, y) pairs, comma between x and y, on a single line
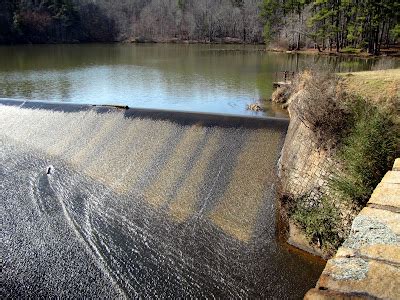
[(396, 166), (367, 266), (386, 194), (327, 295), (180, 117), (392, 177)]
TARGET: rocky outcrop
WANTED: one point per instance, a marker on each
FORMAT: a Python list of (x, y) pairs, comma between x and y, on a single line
[(368, 263)]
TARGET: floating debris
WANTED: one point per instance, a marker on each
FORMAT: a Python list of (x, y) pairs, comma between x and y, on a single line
[(255, 107)]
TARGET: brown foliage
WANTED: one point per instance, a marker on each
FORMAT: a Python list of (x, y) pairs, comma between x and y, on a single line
[(281, 94), (321, 106)]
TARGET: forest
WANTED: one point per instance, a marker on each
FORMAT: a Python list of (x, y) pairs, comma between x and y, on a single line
[(334, 25)]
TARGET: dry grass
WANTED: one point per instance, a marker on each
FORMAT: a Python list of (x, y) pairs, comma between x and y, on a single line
[(381, 87)]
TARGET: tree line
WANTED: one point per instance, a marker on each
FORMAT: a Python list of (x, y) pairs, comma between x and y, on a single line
[(54, 21), (332, 24), (40, 21), (325, 24)]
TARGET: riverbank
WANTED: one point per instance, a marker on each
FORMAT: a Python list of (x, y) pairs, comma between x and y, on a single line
[(225, 40), (390, 52), (351, 52), (339, 125)]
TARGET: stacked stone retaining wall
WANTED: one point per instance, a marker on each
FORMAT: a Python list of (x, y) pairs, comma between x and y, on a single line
[(305, 170), (367, 266)]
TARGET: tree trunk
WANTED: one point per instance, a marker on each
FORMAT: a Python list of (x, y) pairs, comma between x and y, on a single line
[(337, 26), (381, 37), (376, 42)]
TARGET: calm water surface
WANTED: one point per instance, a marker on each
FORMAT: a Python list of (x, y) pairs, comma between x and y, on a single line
[(206, 78)]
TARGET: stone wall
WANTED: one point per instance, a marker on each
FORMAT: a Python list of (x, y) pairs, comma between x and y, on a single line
[(304, 170), (368, 263)]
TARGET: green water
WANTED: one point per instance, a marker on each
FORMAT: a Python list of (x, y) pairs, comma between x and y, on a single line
[(206, 78)]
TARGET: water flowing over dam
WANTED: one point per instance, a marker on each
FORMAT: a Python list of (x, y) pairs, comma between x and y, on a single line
[(107, 202)]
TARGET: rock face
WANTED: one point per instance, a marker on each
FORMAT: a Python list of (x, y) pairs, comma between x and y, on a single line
[(368, 263), (304, 170)]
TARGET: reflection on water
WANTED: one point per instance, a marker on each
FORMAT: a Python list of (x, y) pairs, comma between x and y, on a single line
[(142, 207), (213, 78)]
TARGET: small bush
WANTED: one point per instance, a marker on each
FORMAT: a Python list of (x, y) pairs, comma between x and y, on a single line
[(350, 50), (319, 222), (367, 152), (281, 94)]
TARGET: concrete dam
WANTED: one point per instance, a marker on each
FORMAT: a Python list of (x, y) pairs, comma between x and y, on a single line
[(125, 203)]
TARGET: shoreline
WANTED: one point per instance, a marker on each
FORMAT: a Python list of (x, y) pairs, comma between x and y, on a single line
[(311, 51), (391, 52)]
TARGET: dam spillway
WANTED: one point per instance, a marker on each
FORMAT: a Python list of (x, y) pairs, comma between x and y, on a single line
[(106, 202)]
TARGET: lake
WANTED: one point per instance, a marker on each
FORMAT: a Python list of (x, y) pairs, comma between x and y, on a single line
[(206, 78)]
